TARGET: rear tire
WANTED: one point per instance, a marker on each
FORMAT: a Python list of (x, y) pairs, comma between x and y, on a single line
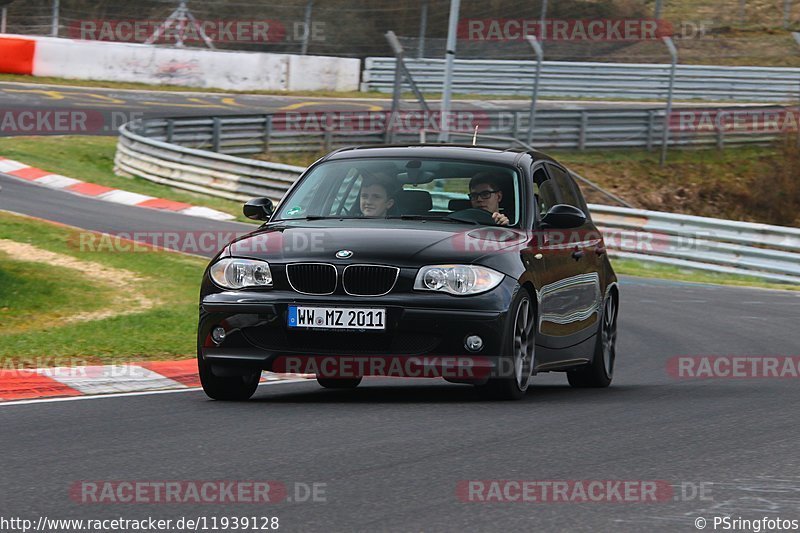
[(600, 372), (233, 389), (518, 355), (339, 383)]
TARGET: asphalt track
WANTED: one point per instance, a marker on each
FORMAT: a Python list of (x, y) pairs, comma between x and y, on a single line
[(392, 452)]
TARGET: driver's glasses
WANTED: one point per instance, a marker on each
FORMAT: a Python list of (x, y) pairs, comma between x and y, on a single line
[(483, 195)]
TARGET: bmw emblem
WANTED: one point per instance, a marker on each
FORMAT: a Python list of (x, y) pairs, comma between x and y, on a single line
[(344, 254)]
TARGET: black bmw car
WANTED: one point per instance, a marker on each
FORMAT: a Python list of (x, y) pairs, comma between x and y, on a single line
[(475, 264)]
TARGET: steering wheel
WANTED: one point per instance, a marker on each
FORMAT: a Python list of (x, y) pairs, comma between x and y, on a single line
[(474, 215)]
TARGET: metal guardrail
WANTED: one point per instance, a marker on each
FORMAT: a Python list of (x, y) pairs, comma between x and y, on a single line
[(759, 250), (202, 171), (555, 128), (592, 80)]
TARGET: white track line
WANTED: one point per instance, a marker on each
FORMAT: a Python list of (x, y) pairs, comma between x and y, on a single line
[(123, 394)]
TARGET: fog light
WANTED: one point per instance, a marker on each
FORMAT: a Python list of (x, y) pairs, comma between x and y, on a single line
[(473, 343), (218, 334)]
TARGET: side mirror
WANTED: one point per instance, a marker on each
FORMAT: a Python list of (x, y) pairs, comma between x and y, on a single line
[(258, 209), (563, 216)]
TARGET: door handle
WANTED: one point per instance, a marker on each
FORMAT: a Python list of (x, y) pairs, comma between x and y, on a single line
[(577, 255)]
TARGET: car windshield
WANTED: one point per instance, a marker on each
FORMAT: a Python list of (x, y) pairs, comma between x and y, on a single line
[(404, 188)]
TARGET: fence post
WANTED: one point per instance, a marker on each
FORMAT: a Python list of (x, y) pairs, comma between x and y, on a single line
[(307, 27), (3, 19), (537, 48), (55, 23), (796, 36), (423, 29), (668, 112), (170, 129), (582, 133), (267, 133), (720, 137), (216, 133)]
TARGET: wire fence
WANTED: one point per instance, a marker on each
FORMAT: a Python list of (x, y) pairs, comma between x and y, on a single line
[(718, 31)]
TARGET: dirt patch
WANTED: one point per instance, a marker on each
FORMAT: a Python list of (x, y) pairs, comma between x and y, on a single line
[(128, 296)]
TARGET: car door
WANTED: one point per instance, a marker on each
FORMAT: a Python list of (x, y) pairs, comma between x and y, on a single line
[(570, 290)]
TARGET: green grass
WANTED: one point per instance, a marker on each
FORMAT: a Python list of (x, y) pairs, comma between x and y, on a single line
[(34, 294), (166, 331), (629, 267), (92, 159)]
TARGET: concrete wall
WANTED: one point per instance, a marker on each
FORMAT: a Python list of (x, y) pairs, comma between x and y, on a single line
[(94, 60)]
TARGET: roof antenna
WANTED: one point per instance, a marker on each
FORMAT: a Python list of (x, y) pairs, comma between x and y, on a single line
[(475, 136)]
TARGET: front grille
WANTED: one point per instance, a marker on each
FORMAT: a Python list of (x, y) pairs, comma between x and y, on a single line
[(341, 343), (369, 280), (312, 278)]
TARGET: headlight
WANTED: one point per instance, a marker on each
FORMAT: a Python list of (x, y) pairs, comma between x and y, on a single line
[(457, 279), (235, 273)]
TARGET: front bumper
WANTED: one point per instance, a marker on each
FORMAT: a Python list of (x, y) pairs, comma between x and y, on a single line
[(417, 324)]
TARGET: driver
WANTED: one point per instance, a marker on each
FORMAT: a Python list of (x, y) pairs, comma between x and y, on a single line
[(484, 193), (376, 195)]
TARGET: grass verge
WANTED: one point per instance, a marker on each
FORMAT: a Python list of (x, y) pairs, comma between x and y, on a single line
[(627, 267), (92, 159), (166, 330)]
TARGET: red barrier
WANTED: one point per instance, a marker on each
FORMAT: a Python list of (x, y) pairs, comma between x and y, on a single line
[(16, 55)]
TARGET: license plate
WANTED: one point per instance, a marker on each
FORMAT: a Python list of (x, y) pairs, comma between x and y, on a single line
[(336, 318)]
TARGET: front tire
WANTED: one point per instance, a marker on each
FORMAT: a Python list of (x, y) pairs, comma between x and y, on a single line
[(600, 372), (518, 355), (234, 388)]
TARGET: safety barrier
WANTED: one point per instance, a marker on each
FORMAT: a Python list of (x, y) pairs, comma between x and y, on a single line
[(130, 62), (592, 80), (554, 128)]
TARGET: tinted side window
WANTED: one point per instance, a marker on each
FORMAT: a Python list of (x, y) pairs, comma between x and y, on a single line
[(547, 194), (568, 193)]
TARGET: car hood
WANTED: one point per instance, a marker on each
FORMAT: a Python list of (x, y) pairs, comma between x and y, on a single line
[(396, 242)]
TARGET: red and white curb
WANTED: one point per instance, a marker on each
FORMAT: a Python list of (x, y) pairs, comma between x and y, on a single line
[(57, 181), (27, 384)]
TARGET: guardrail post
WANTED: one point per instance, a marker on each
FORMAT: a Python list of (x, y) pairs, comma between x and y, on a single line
[(170, 130), (720, 137), (216, 132), (328, 136), (582, 133), (651, 129), (267, 132)]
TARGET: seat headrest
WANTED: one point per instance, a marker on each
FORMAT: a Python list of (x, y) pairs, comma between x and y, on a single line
[(413, 202)]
